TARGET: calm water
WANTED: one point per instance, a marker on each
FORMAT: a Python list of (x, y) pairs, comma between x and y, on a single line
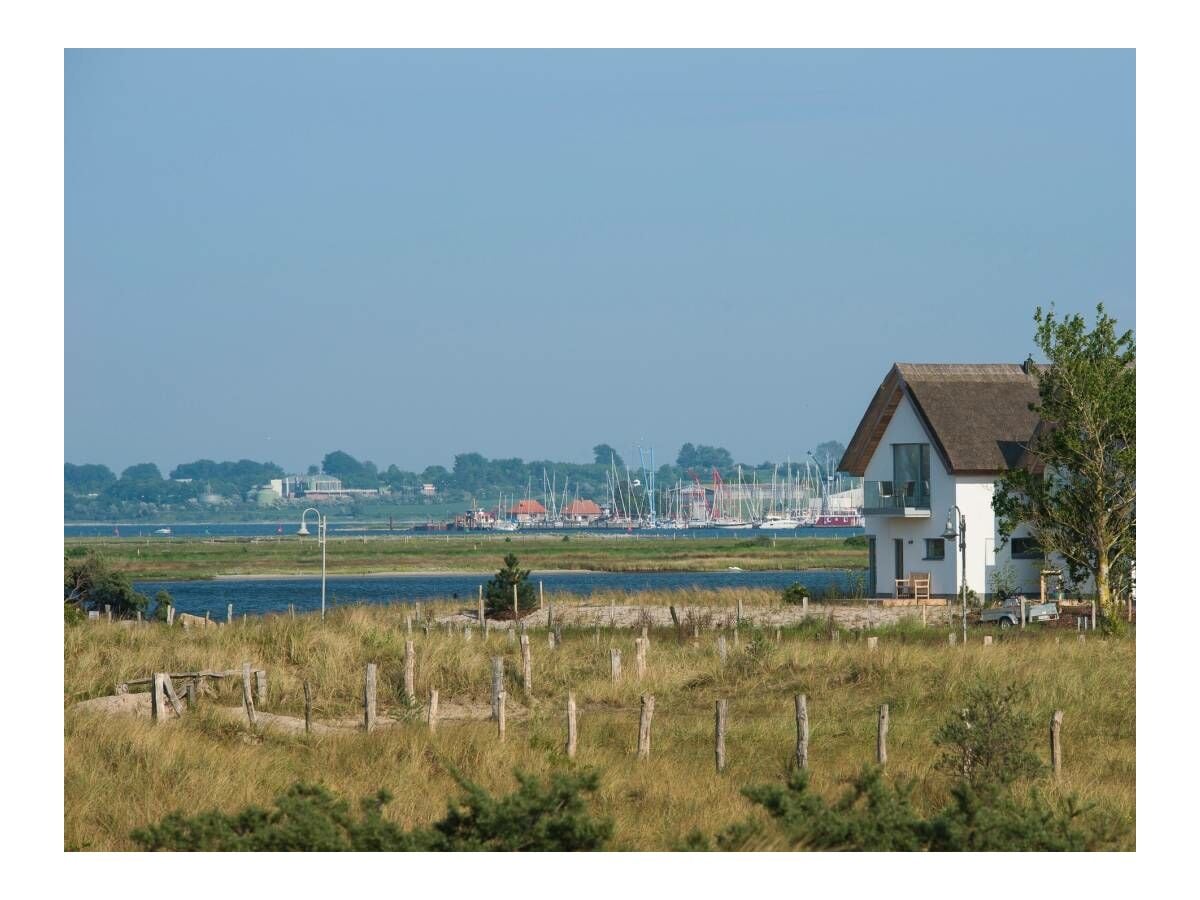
[(262, 529), (258, 596)]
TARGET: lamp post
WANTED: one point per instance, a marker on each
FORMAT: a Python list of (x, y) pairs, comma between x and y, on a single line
[(322, 521), (957, 528)]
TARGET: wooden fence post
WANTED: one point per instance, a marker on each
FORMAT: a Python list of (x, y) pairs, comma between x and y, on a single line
[(526, 666), (643, 750), (307, 707), (497, 684), (953, 639), (572, 733), (516, 604), (541, 596), (171, 615), (139, 617), (260, 687), (481, 615), (614, 664), (156, 697), (229, 613), (881, 737), (292, 610), (369, 698), (108, 612), (804, 606), (417, 606), (640, 645), (987, 640), (500, 714), (721, 651), (549, 613), (739, 611), (778, 634), (247, 697), (172, 697), (431, 712), (802, 731), (1022, 601), (190, 692), (1093, 618), (1056, 742), (550, 638), (722, 713), (872, 643)]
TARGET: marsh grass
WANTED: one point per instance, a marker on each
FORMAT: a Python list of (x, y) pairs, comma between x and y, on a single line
[(182, 558), (122, 772)]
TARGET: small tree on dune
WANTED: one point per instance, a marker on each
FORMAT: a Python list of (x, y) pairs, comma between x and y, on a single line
[(498, 592)]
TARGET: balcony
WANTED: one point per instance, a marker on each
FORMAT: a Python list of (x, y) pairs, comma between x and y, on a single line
[(909, 499)]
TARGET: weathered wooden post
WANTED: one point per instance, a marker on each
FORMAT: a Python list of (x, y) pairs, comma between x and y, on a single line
[(572, 733), (1092, 620), (550, 638), (739, 611), (307, 707), (408, 626), (431, 712), (881, 737), (804, 606), (1022, 601), (526, 666), (643, 750), (549, 614), (247, 697), (721, 651), (558, 634), (481, 615), (802, 731), (157, 693), (541, 596), (640, 650), (108, 612), (207, 617), (292, 611), (722, 713), (497, 683), (190, 692), (466, 632), (260, 687), (872, 643), (987, 640), (229, 613), (369, 698), (417, 607), (778, 634), (500, 714), (1056, 742), (614, 664), (139, 617), (953, 639), (171, 615), (516, 605)]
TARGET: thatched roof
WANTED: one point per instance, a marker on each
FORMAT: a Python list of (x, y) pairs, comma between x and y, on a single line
[(977, 416)]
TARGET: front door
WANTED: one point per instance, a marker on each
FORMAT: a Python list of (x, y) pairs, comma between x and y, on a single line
[(898, 543), (872, 571)]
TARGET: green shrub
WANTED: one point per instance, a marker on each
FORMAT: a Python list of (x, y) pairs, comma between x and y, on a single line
[(535, 817), (498, 592), (988, 741), (872, 816), (162, 602), (856, 540), (796, 594)]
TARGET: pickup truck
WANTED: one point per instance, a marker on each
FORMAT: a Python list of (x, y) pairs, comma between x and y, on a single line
[(1008, 613)]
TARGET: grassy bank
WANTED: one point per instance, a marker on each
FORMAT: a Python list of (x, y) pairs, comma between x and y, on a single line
[(122, 772), (181, 558)]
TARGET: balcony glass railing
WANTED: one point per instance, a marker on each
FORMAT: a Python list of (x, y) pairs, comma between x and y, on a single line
[(884, 497)]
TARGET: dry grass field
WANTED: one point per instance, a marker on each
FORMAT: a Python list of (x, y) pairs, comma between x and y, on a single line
[(122, 771)]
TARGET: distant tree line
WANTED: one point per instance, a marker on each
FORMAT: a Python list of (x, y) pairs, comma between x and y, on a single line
[(94, 491)]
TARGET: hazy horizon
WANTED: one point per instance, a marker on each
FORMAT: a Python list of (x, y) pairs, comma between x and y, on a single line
[(407, 255)]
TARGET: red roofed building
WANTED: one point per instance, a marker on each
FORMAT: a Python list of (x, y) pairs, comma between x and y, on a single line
[(582, 511), (527, 511)]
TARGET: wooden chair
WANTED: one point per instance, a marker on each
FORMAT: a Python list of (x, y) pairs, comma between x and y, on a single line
[(920, 585), (916, 585)]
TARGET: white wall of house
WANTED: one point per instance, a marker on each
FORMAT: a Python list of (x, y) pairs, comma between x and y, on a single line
[(906, 428)]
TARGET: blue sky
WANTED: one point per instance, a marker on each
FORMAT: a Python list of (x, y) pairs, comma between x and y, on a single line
[(411, 254)]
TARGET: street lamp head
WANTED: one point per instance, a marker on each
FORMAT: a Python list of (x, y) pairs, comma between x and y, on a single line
[(951, 531), (303, 532)]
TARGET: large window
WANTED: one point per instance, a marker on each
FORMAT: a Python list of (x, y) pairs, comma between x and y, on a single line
[(1026, 548), (910, 467), (935, 548)]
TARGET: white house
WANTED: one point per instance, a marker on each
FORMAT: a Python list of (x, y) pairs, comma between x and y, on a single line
[(935, 437)]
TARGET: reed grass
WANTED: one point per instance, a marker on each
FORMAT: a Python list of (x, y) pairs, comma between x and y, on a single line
[(122, 772)]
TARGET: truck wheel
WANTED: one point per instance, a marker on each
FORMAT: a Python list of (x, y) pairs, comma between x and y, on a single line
[(1005, 624)]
